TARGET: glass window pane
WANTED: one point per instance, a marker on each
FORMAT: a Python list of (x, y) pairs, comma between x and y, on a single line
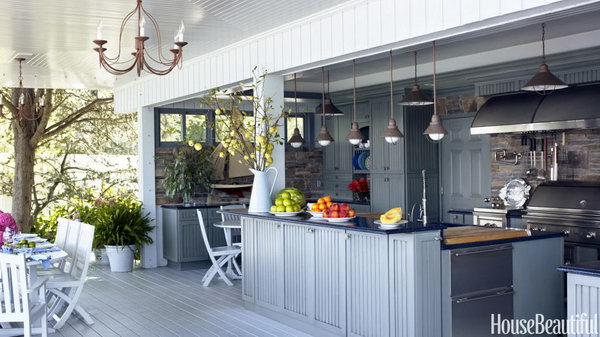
[(195, 128), (291, 125), (170, 128)]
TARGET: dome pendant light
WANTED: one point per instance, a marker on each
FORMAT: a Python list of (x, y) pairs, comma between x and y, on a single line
[(391, 134), (544, 82), (416, 96), (324, 138), (296, 140), (435, 131), (354, 136)]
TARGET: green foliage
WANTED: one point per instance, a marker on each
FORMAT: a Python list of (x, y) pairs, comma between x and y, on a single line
[(188, 170), (122, 222)]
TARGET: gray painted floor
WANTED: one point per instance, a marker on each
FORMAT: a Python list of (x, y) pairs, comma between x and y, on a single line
[(166, 302)]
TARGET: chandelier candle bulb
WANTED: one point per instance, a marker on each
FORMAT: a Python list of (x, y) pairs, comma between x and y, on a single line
[(181, 30), (99, 35), (142, 23)]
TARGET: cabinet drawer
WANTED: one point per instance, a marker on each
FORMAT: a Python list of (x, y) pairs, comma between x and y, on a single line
[(335, 186), (341, 178), (341, 196), (481, 268)]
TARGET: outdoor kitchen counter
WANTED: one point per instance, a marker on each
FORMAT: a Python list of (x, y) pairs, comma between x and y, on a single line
[(342, 280), (534, 235), (358, 224)]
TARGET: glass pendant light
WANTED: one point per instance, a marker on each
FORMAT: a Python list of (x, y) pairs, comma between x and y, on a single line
[(544, 82), (324, 138), (296, 140), (354, 136), (416, 96), (392, 134), (435, 131)]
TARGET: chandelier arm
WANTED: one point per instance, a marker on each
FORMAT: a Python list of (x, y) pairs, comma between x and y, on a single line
[(116, 71), (158, 35), (123, 24), (155, 71), (164, 63)]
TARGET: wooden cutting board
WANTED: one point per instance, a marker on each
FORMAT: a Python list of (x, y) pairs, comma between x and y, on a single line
[(469, 234)]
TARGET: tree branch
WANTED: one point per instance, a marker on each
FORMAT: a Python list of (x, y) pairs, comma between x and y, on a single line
[(66, 122), (43, 121)]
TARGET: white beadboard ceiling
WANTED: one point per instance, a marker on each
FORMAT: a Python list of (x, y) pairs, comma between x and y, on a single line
[(56, 35)]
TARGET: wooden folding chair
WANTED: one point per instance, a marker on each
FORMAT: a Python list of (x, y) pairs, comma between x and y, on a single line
[(18, 304), (219, 256)]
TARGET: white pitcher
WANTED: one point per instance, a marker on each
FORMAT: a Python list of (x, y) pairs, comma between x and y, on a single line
[(260, 199)]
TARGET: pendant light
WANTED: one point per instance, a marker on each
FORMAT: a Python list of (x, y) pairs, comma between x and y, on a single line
[(391, 134), (324, 138), (296, 140), (544, 82), (330, 109), (435, 131), (354, 136), (416, 96)]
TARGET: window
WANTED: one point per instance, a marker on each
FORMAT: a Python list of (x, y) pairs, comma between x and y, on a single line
[(176, 126)]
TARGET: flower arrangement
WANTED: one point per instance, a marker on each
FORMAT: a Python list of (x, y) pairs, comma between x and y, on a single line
[(251, 136), (360, 189), (7, 220)]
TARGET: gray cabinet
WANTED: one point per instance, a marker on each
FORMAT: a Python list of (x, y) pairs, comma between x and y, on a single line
[(387, 191), (336, 185), (387, 158), (183, 244)]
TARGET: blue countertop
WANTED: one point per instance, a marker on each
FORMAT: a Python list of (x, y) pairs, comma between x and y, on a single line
[(361, 224), (591, 268), (201, 205), (461, 211)]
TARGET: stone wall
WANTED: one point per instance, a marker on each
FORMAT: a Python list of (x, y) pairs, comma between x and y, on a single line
[(579, 157)]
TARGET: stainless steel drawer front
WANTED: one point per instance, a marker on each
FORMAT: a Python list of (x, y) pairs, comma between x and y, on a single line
[(479, 269), (471, 317)]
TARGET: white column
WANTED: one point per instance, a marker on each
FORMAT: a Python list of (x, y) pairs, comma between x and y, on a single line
[(272, 86), (152, 255)]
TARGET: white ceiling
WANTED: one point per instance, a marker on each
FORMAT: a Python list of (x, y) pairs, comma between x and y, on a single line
[(56, 35), (519, 45)]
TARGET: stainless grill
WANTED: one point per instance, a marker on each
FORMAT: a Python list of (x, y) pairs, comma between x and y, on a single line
[(571, 208)]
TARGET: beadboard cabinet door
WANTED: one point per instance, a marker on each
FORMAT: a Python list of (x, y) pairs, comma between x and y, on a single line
[(268, 267), (387, 191), (367, 270)]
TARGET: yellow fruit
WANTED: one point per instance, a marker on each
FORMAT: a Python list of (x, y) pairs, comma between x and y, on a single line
[(198, 146), (218, 112), (394, 215), (190, 142)]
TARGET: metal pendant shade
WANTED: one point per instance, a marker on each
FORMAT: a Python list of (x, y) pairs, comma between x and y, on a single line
[(330, 109), (296, 140), (544, 82), (324, 138), (355, 137), (416, 96), (435, 131), (392, 134)]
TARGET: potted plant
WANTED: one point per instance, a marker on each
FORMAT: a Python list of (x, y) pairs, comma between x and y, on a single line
[(253, 139), (123, 228), (189, 169)]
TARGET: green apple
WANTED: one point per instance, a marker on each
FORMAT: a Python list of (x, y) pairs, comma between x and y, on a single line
[(274, 208), (279, 202), (287, 202), (285, 195), (281, 208), (290, 209), (297, 208)]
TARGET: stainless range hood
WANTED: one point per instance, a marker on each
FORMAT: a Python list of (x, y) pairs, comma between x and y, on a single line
[(571, 108)]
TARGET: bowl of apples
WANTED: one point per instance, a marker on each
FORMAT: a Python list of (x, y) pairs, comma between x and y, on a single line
[(339, 213)]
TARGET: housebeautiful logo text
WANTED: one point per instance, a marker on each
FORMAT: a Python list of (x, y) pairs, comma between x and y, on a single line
[(574, 325)]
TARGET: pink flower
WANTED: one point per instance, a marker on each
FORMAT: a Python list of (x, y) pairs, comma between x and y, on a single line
[(7, 220)]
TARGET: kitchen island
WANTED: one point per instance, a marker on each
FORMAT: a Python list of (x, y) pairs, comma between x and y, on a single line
[(352, 279)]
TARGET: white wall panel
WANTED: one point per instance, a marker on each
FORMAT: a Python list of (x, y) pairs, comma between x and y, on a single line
[(355, 27)]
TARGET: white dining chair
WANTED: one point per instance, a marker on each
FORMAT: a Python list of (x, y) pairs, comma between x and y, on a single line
[(61, 232), (233, 232), (20, 304), (66, 287), (219, 256), (69, 245)]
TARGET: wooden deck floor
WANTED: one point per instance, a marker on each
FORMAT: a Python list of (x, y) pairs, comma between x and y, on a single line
[(166, 302)]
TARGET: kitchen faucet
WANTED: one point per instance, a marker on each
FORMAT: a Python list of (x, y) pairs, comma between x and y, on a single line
[(422, 206)]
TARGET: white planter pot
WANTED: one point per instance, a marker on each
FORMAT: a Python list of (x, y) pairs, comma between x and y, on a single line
[(101, 256), (121, 258)]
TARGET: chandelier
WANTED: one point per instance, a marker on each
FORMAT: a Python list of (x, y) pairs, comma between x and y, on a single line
[(140, 57), (21, 114)]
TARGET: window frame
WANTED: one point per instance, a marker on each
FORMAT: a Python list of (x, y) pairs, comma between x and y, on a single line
[(184, 113)]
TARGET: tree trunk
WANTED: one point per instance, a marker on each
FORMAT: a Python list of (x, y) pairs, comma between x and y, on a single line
[(23, 130)]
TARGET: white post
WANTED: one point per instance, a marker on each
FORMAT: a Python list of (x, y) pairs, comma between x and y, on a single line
[(272, 86), (152, 255)]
